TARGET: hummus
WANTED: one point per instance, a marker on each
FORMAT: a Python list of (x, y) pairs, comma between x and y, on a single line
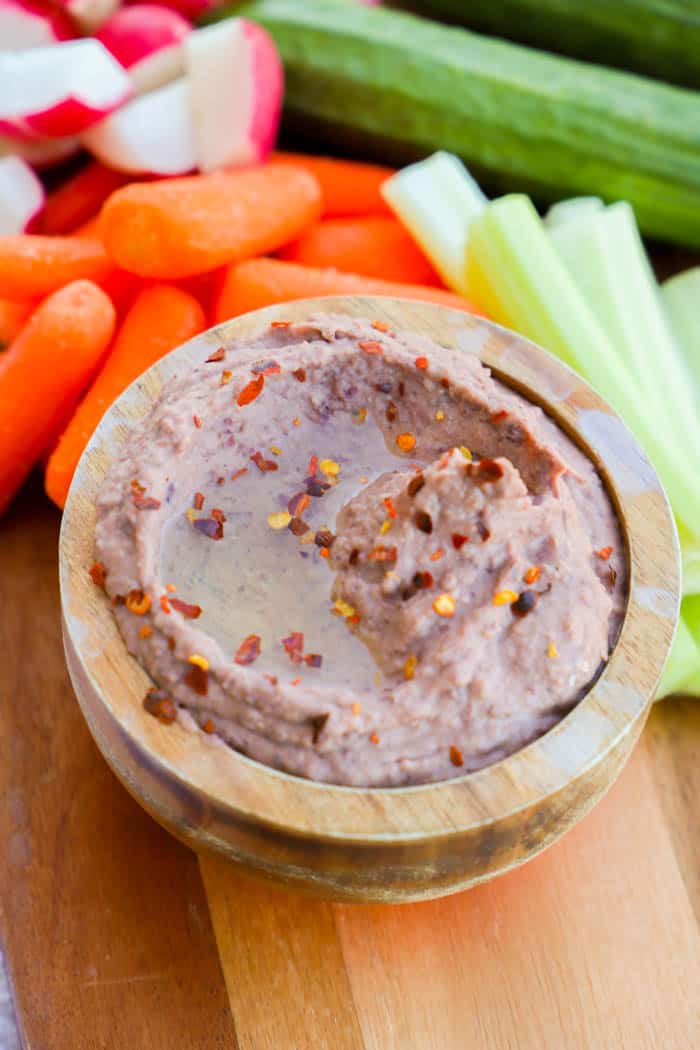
[(355, 556)]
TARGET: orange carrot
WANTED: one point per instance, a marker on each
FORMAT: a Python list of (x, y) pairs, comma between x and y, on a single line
[(32, 266), (47, 366), (348, 187), (80, 197), (161, 318), (181, 227), (374, 245), (262, 282), (12, 318)]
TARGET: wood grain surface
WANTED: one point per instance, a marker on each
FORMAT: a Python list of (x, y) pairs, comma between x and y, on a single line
[(115, 940)]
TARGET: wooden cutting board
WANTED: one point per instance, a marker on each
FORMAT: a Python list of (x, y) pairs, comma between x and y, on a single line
[(119, 938)]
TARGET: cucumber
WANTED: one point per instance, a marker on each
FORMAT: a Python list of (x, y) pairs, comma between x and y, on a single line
[(399, 87), (657, 37)]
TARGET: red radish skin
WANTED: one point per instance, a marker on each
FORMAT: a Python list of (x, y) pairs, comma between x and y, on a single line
[(267, 70), (21, 196), (59, 91), (194, 9), (134, 33), (88, 15), (25, 24)]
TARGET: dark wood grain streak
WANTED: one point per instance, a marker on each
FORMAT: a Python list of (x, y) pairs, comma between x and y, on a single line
[(103, 915)]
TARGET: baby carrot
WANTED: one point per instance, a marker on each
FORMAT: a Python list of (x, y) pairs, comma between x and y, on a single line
[(33, 265), (80, 197), (160, 319), (261, 282), (181, 227), (49, 363), (348, 187), (12, 318), (373, 245)]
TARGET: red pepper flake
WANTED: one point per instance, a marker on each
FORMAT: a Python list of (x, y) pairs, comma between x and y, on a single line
[(313, 465), (533, 574), (138, 489), (324, 552), (390, 508), (220, 481), (98, 574), (318, 724), (170, 587), (209, 726), (444, 382), (280, 324), (354, 619), (300, 374), (298, 527), (371, 346), (271, 678), (436, 555), (164, 603), (422, 363), (313, 659), (423, 521), (485, 470), (118, 599), (138, 602), (604, 553), (324, 538), (197, 422), (298, 504), (294, 646), (239, 473), (189, 611), (381, 553), (209, 527), (252, 390), (406, 442), (248, 651), (218, 515), (423, 580), (391, 412), (380, 326), (198, 501), (218, 355), (197, 678), (158, 703), (498, 417), (171, 645), (374, 738), (145, 502), (263, 464), (226, 377), (295, 681), (458, 540), (456, 756), (267, 368)]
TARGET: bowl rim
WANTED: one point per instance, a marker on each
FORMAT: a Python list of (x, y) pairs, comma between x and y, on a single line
[(244, 788)]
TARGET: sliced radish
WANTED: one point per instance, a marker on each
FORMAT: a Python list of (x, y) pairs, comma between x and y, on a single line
[(236, 88), (194, 9), (40, 153), (21, 195), (134, 33), (25, 24), (89, 15), (159, 69), (60, 90), (152, 133)]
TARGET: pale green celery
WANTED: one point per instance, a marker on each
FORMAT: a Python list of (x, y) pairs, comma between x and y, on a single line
[(572, 209), (436, 199), (682, 671), (681, 297), (516, 275), (605, 255)]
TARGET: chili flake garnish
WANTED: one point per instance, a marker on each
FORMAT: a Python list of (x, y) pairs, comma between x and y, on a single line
[(356, 709), (226, 377), (421, 362), (444, 605), (159, 704), (415, 485), (406, 442), (456, 756), (423, 580), (279, 519), (313, 660), (409, 667), (118, 599), (197, 422), (604, 553), (381, 553), (524, 603), (423, 521), (298, 527), (138, 602), (197, 678), (218, 515), (374, 738), (360, 416), (209, 726), (294, 646), (300, 374), (439, 415), (263, 464), (458, 540), (354, 619), (250, 391), (343, 608), (248, 651), (533, 574), (380, 326), (165, 603), (271, 678), (437, 554), (298, 504), (552, 651), (466, 453), (296, 421), (211, 527), (385, 526), (485, 470), (318, 724), (266, 368), (239, 473), (391, 412), (371, 346), (295, 681), (505, 597), (390, 508), (324, 552), (146, 631), (498, 417), (313, 465), (137, 488), (198, 501), (218, 355), (186, 609), (145, 502), (220, 481), (98, 574), (280, 324), (324, 538), (329, 467)]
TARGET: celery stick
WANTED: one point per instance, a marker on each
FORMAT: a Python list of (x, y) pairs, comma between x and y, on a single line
[(436, 199), (683, 665), (574, 208), (681, 297), (516, 275), (605, 255)]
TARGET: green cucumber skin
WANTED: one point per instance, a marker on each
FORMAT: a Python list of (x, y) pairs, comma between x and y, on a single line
[(658, 37), (521, 119)]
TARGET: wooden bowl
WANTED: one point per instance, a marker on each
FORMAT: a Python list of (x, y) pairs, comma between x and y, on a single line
[(394, 844)]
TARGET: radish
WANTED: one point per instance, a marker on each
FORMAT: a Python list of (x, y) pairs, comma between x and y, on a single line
[(60, 90), (40, 153), (21, 195), (25, 24), (194, 9), (151, 134), (160, 68), (236, 88), (135, 33), (88, 15)]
